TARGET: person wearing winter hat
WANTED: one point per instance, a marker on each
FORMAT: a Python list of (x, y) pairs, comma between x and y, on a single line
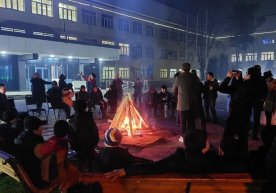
[(112, 156), (194, 158)]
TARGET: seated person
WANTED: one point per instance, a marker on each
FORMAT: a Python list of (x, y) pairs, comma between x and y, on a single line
[(112, 156), (96, 98), (27, 142), (195, 158), (82, 94), (84, 135), (67, 173), (54, 96), (11, 129), (165, 100)]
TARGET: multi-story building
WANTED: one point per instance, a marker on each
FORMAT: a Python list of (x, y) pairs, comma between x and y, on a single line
[(262, 51), (73, 36)]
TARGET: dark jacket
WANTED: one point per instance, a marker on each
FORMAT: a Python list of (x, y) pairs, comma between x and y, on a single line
[(165, 97), (61, 84), (84, 135), (27, 142), (4, 105), (138, 86), (110, 158), (96, 97), (38, 88), (179, 162), (211, 89), (242, 96), (54, 95), (82, 96), (111, 96)]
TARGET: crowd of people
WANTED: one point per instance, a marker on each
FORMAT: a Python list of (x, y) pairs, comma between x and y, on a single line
[(21, 135)]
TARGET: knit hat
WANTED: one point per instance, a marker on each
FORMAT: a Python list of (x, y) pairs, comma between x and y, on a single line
[(195, 140), (112, 137)]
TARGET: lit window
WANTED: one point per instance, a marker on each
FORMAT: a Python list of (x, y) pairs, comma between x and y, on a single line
[(43, 34), (108, 73), (172, 72), (124, 49), (163, 73), (67, 12), (88, 17), (13, 4), (251, 57), (234, 58), (42, 7), (123, 25), (124, 73), (137, 28), (15, 30), (105, 42), (73, 38), (107, 21), (149, 31), (267, 56)]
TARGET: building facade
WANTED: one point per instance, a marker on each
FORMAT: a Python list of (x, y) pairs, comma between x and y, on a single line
[(70, 37)]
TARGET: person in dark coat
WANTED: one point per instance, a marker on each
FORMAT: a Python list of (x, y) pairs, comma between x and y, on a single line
[(165, 100), (112, 156), (210, 96), (196, 157), (12, 127), (138, 87), (82, 94), (198, 110), (238, 122), (151, 100), (112, 97), (38, 89), (27, 141), (4, 105), (96, 98), (61, 83), (91, 81), (54, 95), (84, 135), (258, 104), (119, 86)]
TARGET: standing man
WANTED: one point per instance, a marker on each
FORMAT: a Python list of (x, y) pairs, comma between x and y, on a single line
[(186, 89), (119, 86), (210, 96), (138, 87), (4, 105), (38, 89)]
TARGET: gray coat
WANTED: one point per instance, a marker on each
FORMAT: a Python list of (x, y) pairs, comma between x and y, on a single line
[(185, 86)]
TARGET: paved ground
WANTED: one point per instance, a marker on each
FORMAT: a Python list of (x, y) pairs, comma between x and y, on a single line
[(160, 141)]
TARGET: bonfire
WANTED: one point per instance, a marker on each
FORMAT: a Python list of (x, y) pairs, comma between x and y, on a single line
[(128, 120)]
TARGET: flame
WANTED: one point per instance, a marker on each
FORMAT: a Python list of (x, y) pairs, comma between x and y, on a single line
[(131, 126)]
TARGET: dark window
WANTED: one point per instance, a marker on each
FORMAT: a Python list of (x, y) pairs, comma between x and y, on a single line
[(88, 17), (149, 52), (174, 36), (136, 51), (123, 25), (107, 21), (137, 28), (164, 34), (149, 31)]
